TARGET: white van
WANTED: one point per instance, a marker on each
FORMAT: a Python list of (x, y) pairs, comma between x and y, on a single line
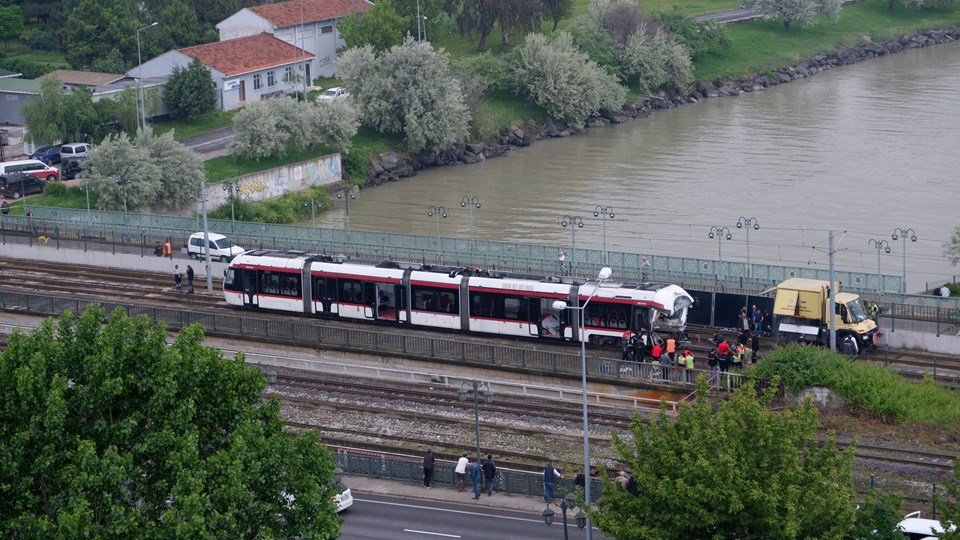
[(916, 528), (35, 167), (74, 150), (220, 247)]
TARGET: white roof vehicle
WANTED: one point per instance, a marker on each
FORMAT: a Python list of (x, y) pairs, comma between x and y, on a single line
[(335, 93), (916, 528), (220, 247)]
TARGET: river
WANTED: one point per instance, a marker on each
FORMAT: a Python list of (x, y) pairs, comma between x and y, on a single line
[(863, 149)]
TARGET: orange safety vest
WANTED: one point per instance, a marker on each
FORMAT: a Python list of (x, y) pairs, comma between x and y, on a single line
[(671, 345), (167, 249)]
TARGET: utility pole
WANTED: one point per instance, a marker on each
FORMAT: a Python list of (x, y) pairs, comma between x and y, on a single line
[(833, 298), (206, 233)]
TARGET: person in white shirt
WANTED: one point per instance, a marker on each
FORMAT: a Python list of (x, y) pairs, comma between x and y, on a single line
[(461, 471), (945, 291)]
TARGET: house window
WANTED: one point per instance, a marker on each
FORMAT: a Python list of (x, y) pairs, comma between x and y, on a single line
[(256, 81), (271, 78), (326, 29), (288, 74)]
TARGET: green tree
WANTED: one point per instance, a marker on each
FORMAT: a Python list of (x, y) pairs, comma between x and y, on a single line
[(950, 506), (802, 12), (430, 15), (190, 91), (700, 38), (181, 168), (657, 61), (109, 432), (112, 62), (123, 175), (333, 124), (119, 112), (57, 116), (557, 10), (878, 516), (264, 129), (408, 90), (96, 27), (732, 470), (951, 250), (564, 81), (381, 27), (474, 18), (11, 23)]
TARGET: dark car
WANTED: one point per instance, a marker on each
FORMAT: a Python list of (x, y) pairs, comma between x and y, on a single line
[(47, 154), (71, 167), (18, 184)]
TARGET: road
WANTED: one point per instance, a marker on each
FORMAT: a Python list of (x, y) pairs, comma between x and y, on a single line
[(212, 144), (378, 517), (731, 16)]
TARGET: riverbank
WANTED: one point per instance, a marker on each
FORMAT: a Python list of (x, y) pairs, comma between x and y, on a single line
[(394, 165)]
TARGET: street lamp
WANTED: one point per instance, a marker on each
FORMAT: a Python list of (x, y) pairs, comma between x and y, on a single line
[(604, 212), (880, 245), (604, 275), (575, 222), (346, 200), (478, 388), (122, 182), (469, 201), (904, 233), (749, 223), (566, 503), (143, 104), (720, 233), (313, 204), (438, 212), (88, 188), (233, 189)]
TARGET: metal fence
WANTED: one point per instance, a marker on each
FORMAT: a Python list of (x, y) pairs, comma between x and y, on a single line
[(402, 468), (688, 272)]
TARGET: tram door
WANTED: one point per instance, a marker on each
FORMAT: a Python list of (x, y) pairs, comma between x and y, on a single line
[(534, 313), (249, 278), (324, 291), (369, 299), (388, 301)]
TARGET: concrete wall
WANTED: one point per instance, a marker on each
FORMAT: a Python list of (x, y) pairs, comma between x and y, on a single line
[(10, 105), (948, 342), (243, 23), (273, 183)]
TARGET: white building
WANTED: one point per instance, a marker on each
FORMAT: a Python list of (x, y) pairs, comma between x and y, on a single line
[(244, 69), (307, 24)]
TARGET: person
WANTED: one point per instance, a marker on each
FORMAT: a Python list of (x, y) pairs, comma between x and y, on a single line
[(461, 472), (625, 345), (167, 249), (754, 347), (688, 365), (550, 476), (581, 480), (757, 319), (645, 267), (717, 338), (489, 473), (30, 215), (656, 351), (177, 276), (636, 348), (802, 340), (874, 310), (158, 251), (382, 298), (743, 326), (189, 279), (561, 258), (671, 348), (623, 479), (4, 207), (945, 290), (428, 469), (476, 473)]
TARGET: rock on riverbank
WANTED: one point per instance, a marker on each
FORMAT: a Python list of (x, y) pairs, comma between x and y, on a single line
[(392, 166)]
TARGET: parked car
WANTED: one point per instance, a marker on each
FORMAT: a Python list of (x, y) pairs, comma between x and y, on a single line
[(344, 499), (71, 167), (220, 247), (74, 150), (916, 528), (47, 154), (32, 166), (18, 184), (331, 94)]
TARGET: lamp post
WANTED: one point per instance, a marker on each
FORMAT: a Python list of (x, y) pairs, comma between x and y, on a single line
[(143, 105), (206, 233), (904, 233), (438, 212), (604, 212), (720, 233), (88, 188), (880, 245), (575, 222), (122, 182), (469, 201), (313, 204), (567, 503), (478, 388), (233, 189), (604, 275), (749, 223), (346, 199)]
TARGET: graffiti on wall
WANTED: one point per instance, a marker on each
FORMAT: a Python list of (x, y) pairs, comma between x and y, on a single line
[(263, 185)]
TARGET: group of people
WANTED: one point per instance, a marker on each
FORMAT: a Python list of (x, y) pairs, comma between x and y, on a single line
[(482, 473), (724, 356), (178, 278)]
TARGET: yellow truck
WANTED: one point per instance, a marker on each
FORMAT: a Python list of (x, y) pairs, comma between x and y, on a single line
[(801, 309)]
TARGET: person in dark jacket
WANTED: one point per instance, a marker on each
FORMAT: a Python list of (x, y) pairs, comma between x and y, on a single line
[(476, 475), (550, 477), (754, 347), (428, 469), (489, 473), (189, 279)]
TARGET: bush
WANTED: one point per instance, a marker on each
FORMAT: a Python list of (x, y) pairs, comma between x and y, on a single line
[(55, 189), (867, 388), (700, 38), (41, 38)]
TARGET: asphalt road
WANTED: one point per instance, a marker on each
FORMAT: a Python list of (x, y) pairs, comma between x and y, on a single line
[(378, 517), (731, 16), (214, 142)]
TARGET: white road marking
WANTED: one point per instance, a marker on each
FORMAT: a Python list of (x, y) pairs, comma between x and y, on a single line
[(433, 533), (497, 516)]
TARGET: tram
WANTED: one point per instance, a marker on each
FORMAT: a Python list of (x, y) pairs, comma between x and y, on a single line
[(451, 298)]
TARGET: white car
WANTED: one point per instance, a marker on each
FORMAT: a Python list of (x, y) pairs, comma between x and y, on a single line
[(344, 499), (332, 94), (916, 528), (220, 247)]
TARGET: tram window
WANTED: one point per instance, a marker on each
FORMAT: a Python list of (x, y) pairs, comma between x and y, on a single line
[(606, 316), (351, 291), (515, 307), (230, 278), (290, 285), (269, 283)]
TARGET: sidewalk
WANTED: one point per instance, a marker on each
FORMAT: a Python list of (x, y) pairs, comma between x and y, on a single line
[(415, 491)]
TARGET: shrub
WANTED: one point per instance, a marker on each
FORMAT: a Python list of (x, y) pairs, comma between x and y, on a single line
[(55, 189)]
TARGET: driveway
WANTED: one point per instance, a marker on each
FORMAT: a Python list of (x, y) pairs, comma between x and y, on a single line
[(212, 144)]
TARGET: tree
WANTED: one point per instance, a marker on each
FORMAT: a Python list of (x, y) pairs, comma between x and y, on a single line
[(429, 11), (699, 38), (878, 516), (181, 169), (190, 91), (122, 175), (474, 17), (380, 26), (802, 12), (332, 123), (262, 130), (951, 250), (109, 432), (950, 509), (407, 90), (57, 116), (657, 61), (733, 470), (11, 23), (564, 81), (95, 27), (112, 62), (557, 10)]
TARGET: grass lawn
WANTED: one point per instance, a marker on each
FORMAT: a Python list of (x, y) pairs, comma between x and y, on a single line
[(74, 197), (192, 127)]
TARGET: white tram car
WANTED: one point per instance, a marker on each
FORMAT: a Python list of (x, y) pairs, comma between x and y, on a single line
[(451, 298)]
